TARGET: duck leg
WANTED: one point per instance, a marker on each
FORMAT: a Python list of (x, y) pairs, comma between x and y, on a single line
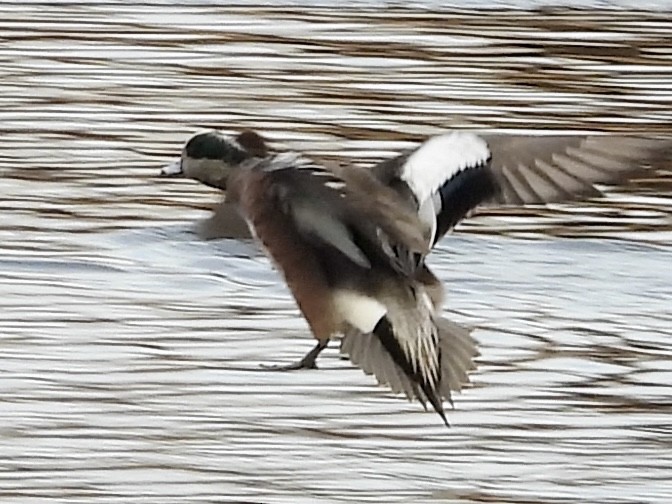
[(308, 361)]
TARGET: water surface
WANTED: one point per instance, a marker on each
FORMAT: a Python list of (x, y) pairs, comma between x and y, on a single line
[(130, 348)]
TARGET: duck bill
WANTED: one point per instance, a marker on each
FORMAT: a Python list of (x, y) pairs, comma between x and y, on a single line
[(174, 169)]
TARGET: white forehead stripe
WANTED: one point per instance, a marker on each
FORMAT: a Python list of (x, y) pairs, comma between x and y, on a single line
[(440, 158), (173, 168)]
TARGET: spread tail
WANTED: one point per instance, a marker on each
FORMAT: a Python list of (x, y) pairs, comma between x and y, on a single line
[(456, 352)]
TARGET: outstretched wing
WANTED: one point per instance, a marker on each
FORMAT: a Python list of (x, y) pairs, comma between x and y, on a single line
[(225, 222), (546, 169), (445, 177), (452, 174)]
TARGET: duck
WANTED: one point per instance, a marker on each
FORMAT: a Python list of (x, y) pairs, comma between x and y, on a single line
[(209, 157), (351, 242)]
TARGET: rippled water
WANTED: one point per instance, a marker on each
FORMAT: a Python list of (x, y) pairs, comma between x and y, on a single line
[(130, 348)]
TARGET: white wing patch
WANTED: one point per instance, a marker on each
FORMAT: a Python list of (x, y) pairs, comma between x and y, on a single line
[(440, 158)]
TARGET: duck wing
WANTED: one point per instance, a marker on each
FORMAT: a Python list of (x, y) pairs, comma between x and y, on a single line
[(450, 175), (225, 222), (340, 208), (549, 169)]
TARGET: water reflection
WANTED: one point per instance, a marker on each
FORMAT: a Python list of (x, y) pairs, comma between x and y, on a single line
[(130, 348)]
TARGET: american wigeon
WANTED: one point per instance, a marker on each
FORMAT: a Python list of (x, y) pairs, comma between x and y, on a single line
[(351, 242)]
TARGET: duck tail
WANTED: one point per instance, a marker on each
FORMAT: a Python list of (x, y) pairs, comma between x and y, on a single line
[(419, 363), (458, 350), (380, 354)]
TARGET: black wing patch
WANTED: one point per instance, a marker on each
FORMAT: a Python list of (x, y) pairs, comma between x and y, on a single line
[(461, 194)]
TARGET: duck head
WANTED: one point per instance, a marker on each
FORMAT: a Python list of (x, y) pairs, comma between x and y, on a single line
[(210, 156)]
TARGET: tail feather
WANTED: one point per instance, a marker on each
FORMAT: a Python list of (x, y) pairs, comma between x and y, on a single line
[(420, 372), (457, 352), (366, 351)]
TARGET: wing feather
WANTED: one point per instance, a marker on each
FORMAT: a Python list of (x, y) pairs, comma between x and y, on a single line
[(553, 169), (520, 170), (345, 209)]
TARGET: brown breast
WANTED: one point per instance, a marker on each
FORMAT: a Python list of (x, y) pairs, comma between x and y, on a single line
[(295, 258)]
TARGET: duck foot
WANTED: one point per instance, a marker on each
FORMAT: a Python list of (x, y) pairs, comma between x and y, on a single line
[(308, 361)]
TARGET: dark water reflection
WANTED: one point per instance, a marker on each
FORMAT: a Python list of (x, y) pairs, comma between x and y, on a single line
[(129, 349)]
